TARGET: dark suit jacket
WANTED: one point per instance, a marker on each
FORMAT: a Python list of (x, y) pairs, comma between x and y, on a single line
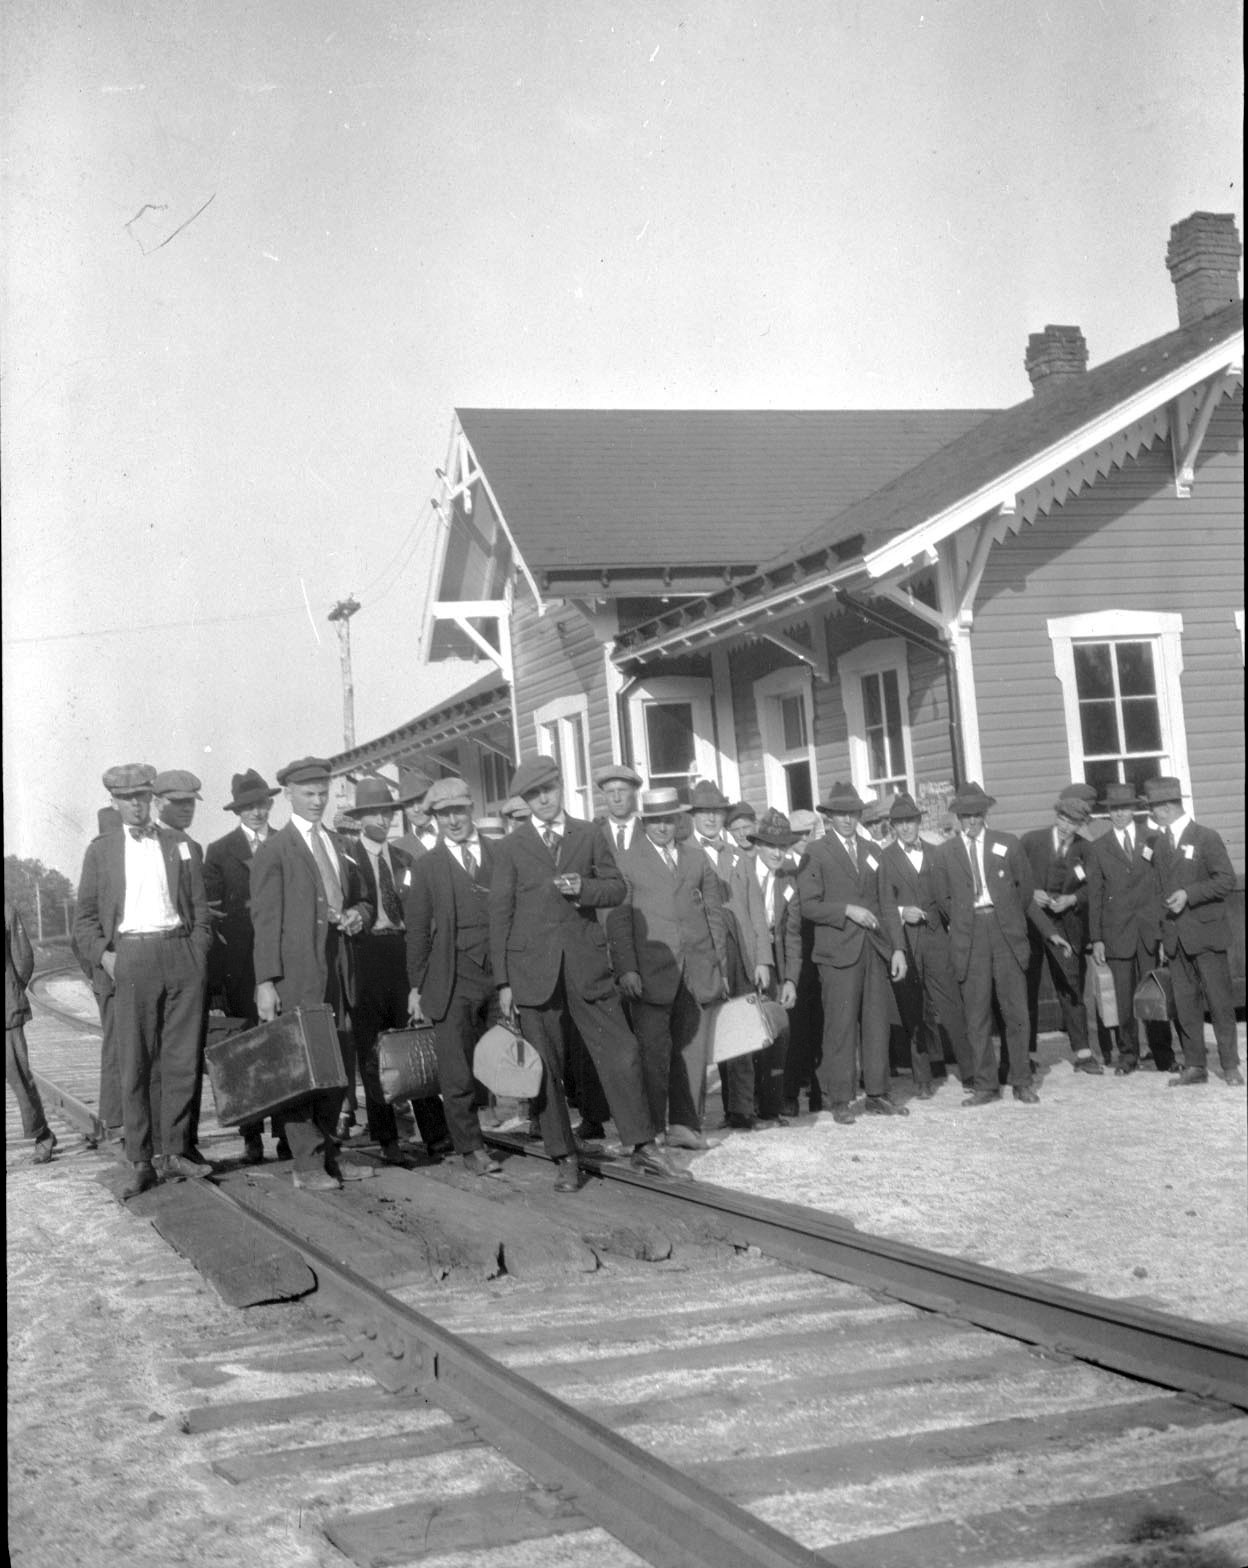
[(227, 882), (901, 884), (743, 900), (1007, 873), (401, 862), (1068, 875), (535, 931), (672, 923), (826, 883), (19, 965), (429, 912), (1123, 909), (102, 892), (1201, 866), (786, 933), (290, 918)]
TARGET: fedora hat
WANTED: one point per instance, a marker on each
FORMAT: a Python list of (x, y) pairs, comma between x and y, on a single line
[(706, 795), (371, 795), (249, 789), (971, 801), (1158, 791), (843, 798), (903, 809), (804, 821), (663, 802), (1119, 795), (774, 830)]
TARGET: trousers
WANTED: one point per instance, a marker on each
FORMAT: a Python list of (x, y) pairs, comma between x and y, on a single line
[(158, 1007), (994, 970)]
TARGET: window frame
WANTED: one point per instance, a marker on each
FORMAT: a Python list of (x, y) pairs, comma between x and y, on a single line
[(792, 681), (698, 692), (578, 800), (874, 658)]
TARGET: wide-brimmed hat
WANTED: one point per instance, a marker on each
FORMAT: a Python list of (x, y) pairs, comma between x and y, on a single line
[(371, 795), (413, 788), (177, 784), (533, 773), (305, 770), (774, 830), (618, 771), (344, 822), (971, 801), (739, 811), (903, 809), (662, 802), (1119, 795), (1073, 807), (249, 789), (1158, 791), (707, 796), (447, 793), (130, 778), (842, 798)]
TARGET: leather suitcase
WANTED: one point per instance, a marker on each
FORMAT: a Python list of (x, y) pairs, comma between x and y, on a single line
[(407, 1064), (273, 1066), (740, 1026)]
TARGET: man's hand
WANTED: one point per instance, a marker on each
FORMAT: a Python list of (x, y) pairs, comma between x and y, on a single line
[(1041, 898), (414, 1009), (1062, 945), (897, 969), (1177, 902), (762, 978), (1098, 952), (351, 922), (630, 984), (108, 963), (913, 915), (569, 884), (268, 1003), (788, 995), (505, 1004), (1061, 903), (862, 917)]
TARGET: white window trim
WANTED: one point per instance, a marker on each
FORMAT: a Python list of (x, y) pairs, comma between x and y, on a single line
[(1239, 627), (1164, 628), (696, 690), (578, 802), (873, 658), (794, 681)]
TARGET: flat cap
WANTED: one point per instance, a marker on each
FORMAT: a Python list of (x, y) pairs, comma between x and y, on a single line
[(740, 811), (1078, 791), (620, 771), (371, 795), (843, 798), (1158, 791), (803, 821), (1074, 808), (446, 793), (533, 773), (177, 784), (130, 778), (491, 827), (707, 796), (305, 770)]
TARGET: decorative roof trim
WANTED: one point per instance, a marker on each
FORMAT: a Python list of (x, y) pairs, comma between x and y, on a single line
[(467, 714)]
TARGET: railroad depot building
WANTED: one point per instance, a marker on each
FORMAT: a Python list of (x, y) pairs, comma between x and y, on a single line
[(775, 601)]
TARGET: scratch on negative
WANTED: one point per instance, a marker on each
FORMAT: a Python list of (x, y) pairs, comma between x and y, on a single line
[(308, 607), (149, 207)]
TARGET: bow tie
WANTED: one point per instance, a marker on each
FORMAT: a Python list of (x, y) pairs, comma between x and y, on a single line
[(149, 831)]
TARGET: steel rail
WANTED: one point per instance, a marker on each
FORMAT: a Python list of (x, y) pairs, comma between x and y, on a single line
[(1155, 1347)]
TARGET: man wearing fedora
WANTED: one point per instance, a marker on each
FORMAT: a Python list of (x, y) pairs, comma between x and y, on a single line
[(143, 918), (857, 947), (381, 979), (772, 839), (983, 885), (307, 896), (227, 882), (447, 914), (667, 947), (1194, 880), (550, 960), (421, 834), (1124, 922), (1058, 859), (929, 987)]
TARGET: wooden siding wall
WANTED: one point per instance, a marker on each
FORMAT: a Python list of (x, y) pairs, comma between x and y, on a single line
[(1126, 543), (558, 655)]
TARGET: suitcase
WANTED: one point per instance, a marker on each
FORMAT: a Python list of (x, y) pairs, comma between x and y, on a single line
[(407, 1064), (275, 1065), (742, 1025), (1153, 1002), (507, 1064)]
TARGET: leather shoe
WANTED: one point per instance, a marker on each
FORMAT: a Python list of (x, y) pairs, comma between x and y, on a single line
[(739, 1121), (982, 1097), (45, 1145), (478, 1163), (650, 1160), (1126, 1066), (283, 1149), (925, 1091), (844, 1115), (1233, 1078), (1025, 1093), (790, 1108), (765, 1123), (589, 1132), (253, 1151), (185, 1167), (568, 1176), (391, 1154), (143, 1179), (316, 1181), (881, 1105), (685, 1138), (1088, 1064), (439, 1147), (1189, 1077)]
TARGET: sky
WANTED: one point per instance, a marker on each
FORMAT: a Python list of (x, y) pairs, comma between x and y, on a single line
[(254, 256)]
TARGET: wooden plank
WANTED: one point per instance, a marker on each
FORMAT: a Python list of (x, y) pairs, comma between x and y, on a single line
[(1044, 1531), (412, 1532), (330, 1403), (328, 1458), (288, 1363)]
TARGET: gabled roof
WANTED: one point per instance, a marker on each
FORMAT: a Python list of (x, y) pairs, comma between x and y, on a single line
[(618, 489), (484, 704)]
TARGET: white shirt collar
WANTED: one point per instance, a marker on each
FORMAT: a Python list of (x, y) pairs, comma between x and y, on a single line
[(1179, 826)]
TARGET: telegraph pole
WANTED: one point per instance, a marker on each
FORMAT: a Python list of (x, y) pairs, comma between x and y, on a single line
[(341, 614)]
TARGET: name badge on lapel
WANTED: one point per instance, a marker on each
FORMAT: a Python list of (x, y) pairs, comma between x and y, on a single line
[(1080, 874), (873, 862), (1001, 850), (184, 850), (1189, 852), (407, 878), (1147, 852)]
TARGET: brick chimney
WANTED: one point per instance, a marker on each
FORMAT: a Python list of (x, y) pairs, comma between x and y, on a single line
[(1203, 258), (1055, 357)]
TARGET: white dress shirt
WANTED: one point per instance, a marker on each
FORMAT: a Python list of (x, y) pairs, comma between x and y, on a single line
[(148, 905)]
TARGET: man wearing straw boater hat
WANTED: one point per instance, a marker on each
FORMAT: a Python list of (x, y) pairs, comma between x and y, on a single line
[(983, 885), (1124, 922), (227, 881), (550, 961), (667, 946), (1194, 880), (857, 948)]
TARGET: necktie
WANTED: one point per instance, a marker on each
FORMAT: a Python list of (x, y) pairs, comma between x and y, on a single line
[(769, 898), (1170, 837), (470, 864), (391, 907), (976, 878), (669, 854), (851, 849), (620, 835), (551, 839), (1126, 843), (328, 871)]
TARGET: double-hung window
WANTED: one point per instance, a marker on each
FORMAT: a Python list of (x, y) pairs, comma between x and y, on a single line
[(562, 730), (875, 690)]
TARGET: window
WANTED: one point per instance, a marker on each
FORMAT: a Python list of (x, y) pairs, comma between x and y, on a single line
[(562, 733), (496, 774), (673, 732), (1119, 672), (875, 689), (786, 724)]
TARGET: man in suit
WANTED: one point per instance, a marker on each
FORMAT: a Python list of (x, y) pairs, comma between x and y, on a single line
[(667, 947), (143, 918), (983, 886), (111, 1104), (857, 948), (1124, 922), (306, 897), (421, 834), (740, 820), (550, 960), (1058, 860), (19, 965), (1194, 880), (929, 987), (227, 882), (448, 958), (771, 839)]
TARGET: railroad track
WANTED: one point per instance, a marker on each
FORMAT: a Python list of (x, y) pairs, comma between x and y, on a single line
[(713, 1379)]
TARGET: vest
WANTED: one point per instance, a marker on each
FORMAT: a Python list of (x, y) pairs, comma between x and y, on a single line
[(472, 923)]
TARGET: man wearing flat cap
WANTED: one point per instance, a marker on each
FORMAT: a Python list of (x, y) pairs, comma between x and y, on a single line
[(227, 881), (175, 794), (549, 957), (306, 898), (1124, 921), (1058, 859), (110, 1107), (619, 785), (740, 821), (857, 947), (984, 886), (1194, 880), (143, 917)]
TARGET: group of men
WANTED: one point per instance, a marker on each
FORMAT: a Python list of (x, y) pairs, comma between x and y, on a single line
[(608, 945)]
